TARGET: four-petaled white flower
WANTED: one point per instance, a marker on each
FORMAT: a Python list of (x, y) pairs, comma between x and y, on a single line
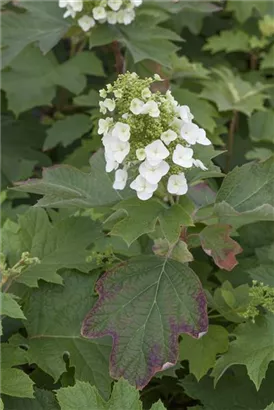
[(111, 17), (120, 150), (120, 179), (153, 174), (143, 188), (121, 131), (117, 93), (99, 13), (103, 93), (136, 3), (136, 106), (168, 136), (104, 125), (111, 164), (183, 156), (146, 93), (114, 4), (109, 104), (189, 132), (177, 184), (202, 139), (156, 152), (86, 22), (151, 108), (185, 114)]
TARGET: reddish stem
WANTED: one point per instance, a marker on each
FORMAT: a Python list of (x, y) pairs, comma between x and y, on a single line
[(119, 59)]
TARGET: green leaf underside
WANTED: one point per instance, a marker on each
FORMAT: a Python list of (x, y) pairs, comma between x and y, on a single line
[(201, 353), (64, 186), (83, 396), (253, 347), (54, 328), (144, 327)]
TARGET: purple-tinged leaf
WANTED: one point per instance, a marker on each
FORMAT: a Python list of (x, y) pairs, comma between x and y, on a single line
[(145, 304)]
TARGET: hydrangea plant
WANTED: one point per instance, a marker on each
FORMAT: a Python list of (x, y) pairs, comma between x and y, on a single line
[(137, 205)]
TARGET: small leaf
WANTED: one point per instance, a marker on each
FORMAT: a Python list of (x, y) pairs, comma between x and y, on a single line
[(132, 308), (216, 242), (15, 382), (268, 60), (261, 126), (229, 41), (67, 130), (201, 353), (253, 347), (10, 307), (179, 251)]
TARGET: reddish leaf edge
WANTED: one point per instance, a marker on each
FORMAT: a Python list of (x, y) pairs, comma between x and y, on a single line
[(176, 331)]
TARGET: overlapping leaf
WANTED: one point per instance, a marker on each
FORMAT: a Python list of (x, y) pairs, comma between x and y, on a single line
[(83, 396), (253, 347), (66, 186), (54, 316), (133, 309)]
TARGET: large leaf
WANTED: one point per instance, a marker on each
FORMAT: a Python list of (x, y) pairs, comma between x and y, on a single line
[(32, 77), (20, 151), (249, 187), (253, 347), (141, 218), (83, 396), (230, 92), (65, 186), (268, 60), (43, 22), (201, 353), (43, 400), (57, 245), (133, 309), (244, 9), (67, 130), (234, 391), (54, 316)]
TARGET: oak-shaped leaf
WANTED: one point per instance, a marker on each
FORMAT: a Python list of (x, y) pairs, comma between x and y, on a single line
[(230, 92), (235, 391), (43, 400), (42, 22), (57, 245), (247, 194), (141, 217), (216, 242), (253, 347), (144, 304), (54, 316), (228, 41), (65, 186), (201, 353), (83, 396)]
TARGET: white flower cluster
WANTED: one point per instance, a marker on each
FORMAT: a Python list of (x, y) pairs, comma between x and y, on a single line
[(91, 12), (150, 132)]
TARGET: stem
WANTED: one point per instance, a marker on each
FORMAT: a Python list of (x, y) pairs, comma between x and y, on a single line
[(253, 61), (214, 316), (119, 59), (230, 143)]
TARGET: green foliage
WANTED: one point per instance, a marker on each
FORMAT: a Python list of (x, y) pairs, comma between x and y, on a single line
[(83, 396), (109, 302)]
